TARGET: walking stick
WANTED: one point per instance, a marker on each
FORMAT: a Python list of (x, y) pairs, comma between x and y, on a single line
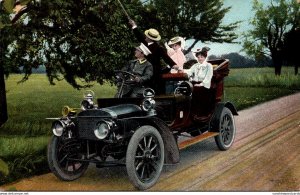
[(124, 10)]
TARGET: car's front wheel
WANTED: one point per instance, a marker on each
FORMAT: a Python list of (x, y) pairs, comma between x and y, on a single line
[(62, 154), (145, 157), (226, 130)]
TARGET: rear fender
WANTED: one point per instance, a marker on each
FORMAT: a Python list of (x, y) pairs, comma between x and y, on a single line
[(231, 107), (214, 122), (171, 147)]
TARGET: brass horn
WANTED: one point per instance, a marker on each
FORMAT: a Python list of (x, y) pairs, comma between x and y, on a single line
[(66, 111)]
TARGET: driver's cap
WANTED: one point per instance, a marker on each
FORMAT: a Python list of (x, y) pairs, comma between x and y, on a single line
[(142, 48)]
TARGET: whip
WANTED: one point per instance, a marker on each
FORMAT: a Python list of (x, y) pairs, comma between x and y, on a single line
[(125, 12)]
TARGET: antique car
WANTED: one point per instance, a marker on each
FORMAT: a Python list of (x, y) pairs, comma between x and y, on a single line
[(141, 133)]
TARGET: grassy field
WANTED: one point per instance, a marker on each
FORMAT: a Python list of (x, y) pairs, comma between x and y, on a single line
[(251, 86), (23, 139)]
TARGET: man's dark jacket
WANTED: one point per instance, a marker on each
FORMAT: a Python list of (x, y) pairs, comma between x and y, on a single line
[(157, 53)]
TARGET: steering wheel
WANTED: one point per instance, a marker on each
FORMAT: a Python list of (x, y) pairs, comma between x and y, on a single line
[(127, 77)]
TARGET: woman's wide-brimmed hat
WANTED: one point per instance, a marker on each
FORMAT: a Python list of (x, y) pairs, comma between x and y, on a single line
[(202, 51), (153, 34), (142, 48), (175, 40)]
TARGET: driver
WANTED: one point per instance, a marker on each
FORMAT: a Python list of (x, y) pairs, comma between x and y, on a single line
[(151, 38), (142, 69)]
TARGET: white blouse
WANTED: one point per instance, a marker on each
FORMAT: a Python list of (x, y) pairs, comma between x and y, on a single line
[(201, 72)]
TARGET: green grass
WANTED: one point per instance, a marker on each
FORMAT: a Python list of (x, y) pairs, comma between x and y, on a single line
[(243, 97), (31, 102), (263, 78), (13, 146), (24, 137), (251, 86)]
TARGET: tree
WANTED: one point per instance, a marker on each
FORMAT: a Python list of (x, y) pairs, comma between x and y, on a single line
[(291, 42), (269, 26), (85, 40), (199, 20), (9, 7)]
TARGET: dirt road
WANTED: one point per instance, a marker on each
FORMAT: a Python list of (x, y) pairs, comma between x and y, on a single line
[(265, 157)]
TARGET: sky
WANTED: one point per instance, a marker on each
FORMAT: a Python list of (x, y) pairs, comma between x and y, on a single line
[(241, 10)]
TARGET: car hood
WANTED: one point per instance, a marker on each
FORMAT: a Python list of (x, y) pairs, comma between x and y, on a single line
[(118, 111)]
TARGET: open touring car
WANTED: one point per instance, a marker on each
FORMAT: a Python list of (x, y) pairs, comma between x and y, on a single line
[(141, 133)]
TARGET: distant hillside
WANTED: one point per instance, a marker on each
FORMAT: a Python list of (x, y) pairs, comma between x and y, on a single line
[(236, 61), (239, 61), (40, 70)]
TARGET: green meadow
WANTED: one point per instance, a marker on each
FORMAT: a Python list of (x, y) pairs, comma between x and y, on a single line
[(24, 137)]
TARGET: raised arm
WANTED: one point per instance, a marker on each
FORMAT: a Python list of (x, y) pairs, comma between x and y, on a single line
[(137, 33)]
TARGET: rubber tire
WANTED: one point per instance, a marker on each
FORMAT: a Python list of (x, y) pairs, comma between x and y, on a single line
[(219, 138), (139, 134), (53, 162)]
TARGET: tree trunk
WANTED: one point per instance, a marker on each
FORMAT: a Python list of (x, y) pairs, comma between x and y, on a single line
[(278, 69), (277, 59), (3, 103), (191, 47)]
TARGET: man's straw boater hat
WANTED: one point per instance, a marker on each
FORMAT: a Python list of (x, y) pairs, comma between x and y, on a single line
[(142, 48), (152, 34)]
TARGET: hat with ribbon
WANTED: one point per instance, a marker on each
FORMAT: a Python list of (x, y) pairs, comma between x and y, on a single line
[(202, 51), (174, 40), (153, 34)]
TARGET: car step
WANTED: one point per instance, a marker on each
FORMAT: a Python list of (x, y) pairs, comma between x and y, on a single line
[(196, 139)]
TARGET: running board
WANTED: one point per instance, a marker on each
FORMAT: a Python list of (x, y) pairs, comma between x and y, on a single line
[(196, 139)]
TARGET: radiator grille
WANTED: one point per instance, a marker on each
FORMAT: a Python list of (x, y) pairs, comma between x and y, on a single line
[(86, 127)]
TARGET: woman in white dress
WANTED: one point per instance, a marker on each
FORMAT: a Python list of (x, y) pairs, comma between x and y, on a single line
[(201, 73)]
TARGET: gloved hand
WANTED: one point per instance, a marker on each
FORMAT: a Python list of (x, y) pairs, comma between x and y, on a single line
[(118, 79), (176, 67), (137, 79), (132, 23), (165, 70), (167, 46)]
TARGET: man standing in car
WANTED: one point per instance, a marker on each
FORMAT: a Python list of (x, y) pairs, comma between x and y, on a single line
[(150, 38)]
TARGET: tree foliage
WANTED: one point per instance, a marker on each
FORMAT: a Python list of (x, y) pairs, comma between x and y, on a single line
[(269, 26), (9, 5), (86, 40), (199, 20)]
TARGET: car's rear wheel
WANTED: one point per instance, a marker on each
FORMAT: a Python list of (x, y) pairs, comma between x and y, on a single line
[(145, 157), (226, 130), (62, 154)]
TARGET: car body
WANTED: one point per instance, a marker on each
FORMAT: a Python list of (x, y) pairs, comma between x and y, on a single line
[(143, 133)]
